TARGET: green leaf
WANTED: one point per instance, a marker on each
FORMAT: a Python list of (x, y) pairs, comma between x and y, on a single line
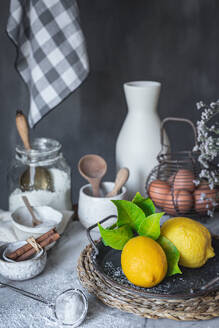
[(172, 255), (150, 227), (116, 238), (129, 213), (145, 204), (113, 226)]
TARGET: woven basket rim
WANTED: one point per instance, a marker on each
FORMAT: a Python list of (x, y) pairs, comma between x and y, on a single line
[(199, 308)]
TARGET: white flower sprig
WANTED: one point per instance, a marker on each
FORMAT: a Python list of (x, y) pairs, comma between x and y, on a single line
[(208, 142)]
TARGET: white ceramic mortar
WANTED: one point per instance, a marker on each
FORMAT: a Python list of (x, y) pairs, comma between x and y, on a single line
[(93, 209)]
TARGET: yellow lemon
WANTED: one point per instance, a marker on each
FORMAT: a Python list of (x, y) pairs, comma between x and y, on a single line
[(191, 238), (143, 262)]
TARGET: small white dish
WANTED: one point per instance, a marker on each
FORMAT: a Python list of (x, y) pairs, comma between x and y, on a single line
[(93, 209), (22, 221), (22, 270), (13, 246)]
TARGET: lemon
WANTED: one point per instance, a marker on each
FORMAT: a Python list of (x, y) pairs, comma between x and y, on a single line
[(191, 238), (143, 262)]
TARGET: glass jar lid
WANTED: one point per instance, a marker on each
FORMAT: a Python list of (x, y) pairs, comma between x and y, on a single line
[(42, 150)]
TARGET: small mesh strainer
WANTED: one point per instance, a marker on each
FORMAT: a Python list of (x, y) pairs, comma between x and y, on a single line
[(70, 307)]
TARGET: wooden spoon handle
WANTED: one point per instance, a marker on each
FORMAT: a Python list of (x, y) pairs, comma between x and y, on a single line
[(95, 187), (23, 129), (29, 207), (121, 178)]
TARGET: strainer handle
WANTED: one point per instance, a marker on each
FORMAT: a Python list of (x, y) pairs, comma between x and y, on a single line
[(26, 293), (175, 119)]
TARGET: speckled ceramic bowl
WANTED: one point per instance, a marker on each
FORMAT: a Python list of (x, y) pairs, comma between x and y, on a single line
[(22, 221), (21, 270), (11, 247)]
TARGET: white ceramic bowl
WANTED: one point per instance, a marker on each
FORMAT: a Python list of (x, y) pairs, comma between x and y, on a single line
[(22, 221), (93, 209), (13, 246), (21, 270)]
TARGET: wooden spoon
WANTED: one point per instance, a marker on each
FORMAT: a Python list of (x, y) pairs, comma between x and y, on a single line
[(34, 178), (29, 207), (93, 168), (23, 129), (121, 178)]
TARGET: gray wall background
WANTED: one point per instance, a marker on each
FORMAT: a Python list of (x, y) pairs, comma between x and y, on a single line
[(175, 42)]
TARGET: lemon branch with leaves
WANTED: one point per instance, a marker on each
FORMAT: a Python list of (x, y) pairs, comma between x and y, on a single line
[(139, 217)]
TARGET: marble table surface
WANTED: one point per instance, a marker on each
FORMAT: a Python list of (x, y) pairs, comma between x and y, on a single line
[(17, 311)]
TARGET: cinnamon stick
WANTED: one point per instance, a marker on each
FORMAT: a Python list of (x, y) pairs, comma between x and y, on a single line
[(22, 250), (42, 243)]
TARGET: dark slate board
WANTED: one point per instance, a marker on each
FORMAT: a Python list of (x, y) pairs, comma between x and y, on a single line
[(187, 285)]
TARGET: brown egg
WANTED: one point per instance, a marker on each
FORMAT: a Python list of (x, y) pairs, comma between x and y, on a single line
[(171, 179), (203, 185), (184, 180), (169, 205), (158, 190), (182, 199), (204, 198)]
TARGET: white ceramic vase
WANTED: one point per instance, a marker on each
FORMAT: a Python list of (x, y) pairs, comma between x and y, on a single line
[(138, 143)]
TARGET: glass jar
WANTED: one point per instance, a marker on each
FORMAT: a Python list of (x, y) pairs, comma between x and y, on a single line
[(42, 174)]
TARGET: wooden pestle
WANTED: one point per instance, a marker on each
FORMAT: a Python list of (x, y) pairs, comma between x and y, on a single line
[(121, 179)]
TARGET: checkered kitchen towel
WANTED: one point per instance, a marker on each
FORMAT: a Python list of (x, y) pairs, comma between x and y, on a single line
[(52, 57)]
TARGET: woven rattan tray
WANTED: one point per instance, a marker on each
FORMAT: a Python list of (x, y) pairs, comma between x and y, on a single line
[(198, 308), (172, 299)]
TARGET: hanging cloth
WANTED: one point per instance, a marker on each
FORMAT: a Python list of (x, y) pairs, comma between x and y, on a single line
[(51, 51)]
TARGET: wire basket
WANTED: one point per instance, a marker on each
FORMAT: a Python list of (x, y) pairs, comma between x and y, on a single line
[(174, 184)]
